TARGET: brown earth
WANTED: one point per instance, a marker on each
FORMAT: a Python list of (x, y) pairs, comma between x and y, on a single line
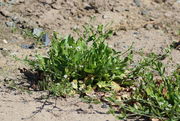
[(152, 25)]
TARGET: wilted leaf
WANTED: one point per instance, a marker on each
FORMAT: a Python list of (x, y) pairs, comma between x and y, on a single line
[(115, 86), (74, 84)]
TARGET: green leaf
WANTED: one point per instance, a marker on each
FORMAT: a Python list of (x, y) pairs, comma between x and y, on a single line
[(87, 70)]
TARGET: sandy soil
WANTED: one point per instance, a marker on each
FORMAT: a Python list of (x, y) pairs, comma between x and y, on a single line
[(152, 25)]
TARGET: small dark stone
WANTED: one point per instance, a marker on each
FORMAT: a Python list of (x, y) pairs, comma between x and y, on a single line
[(90, 107), (31, 46), (136, 33), (175, 45)]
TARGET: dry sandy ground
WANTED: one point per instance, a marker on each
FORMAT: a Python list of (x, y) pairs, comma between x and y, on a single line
[(151, 24), (17, 106)]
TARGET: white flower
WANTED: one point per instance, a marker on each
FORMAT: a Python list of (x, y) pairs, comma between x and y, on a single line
[(78, 48), (65, 76)]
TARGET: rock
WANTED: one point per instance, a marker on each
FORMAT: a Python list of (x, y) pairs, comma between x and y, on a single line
[(4, 52), (135, 33), (46, 40), (90, 107), (25, 46), (5, 41), (37, 31), (15, 19), (104, 105), (10, 24), (178, 1), (2, 3), (155, 26), (138, 3), (148, 26), (56, 5), (155, 119), (144, 12), (104, 16), (168, 14)]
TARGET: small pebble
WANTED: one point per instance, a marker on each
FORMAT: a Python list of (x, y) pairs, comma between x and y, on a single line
[(148, 26), (90, 107), (178, 1), (144, 12), (156, 26), (4, 52), (14, 18), (136, 33), (10, 24), (2, 3), (46, 39), (37, 31), (5, 41), (137, 2), (31, 46), (104, 105), (104, 16)]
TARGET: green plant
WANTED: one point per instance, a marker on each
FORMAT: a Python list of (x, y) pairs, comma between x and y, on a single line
[(28, 33), (85, 64), (156, 96)]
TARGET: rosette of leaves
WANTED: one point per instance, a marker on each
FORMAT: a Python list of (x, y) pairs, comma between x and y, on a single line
[(84, 64)]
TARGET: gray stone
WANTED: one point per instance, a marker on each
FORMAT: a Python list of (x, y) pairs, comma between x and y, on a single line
[(156, 26), (37, 31), (26, 46), (138, 3), (2, 3), (46, 40), (104, 105), (148, 26), (10, 24), (135, 33), (178, 1), (144, 12), (14, 18)]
